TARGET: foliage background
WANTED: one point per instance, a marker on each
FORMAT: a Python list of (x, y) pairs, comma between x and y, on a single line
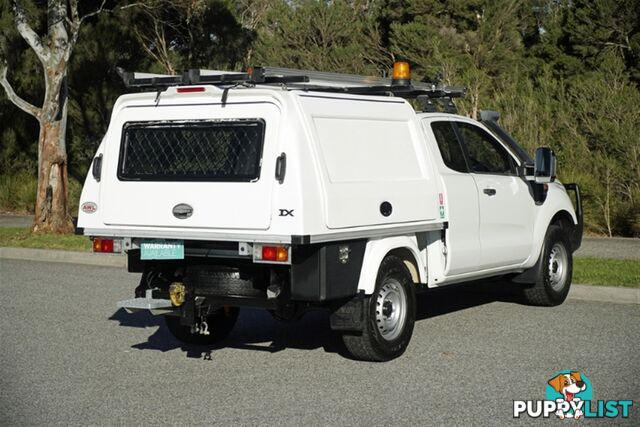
[(563, 73)]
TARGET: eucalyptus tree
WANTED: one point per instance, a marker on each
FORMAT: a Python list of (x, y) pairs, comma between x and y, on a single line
[(53, 50)]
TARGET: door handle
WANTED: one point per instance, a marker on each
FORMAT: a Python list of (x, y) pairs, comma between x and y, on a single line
[(281, 167), (489, 191)]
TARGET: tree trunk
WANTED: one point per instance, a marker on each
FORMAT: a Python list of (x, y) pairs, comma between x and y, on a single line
[(52, 199)]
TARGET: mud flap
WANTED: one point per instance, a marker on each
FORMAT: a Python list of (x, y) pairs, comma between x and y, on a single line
[(188, 311), (350, 317), (576, 235)]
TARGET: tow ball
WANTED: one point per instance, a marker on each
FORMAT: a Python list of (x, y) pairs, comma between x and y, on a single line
[(177, 293)]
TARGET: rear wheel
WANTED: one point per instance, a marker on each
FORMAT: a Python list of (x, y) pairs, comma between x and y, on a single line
[(390, 315), (552, 287), (220, 322)]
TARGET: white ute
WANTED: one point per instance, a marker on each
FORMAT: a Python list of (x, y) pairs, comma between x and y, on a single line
[(291, 190)]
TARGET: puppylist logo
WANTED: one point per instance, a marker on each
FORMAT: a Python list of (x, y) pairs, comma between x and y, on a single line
[(569, 395)]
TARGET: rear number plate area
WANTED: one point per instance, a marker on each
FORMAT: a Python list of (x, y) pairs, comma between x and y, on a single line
[(161, 249)]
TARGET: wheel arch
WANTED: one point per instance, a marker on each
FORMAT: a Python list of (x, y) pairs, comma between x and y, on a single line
[(567, 222), (409, 260), (572, 229), (403, 247), (556, 208), (561, 217)]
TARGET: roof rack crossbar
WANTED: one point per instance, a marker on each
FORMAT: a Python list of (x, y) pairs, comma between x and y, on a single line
[(321, 78), (194, 77), (258, 75), (285, 79), (132, 79), (410, 91)]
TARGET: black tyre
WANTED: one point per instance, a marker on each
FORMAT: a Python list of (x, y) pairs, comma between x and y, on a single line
[(390, 315), (554, 282), (220, 323)]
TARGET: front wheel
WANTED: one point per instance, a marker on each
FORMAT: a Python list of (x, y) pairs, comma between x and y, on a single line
[(552, 286), (390, 315), (220, 322)]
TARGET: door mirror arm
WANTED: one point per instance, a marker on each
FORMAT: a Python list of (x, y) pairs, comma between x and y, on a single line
[(526, 171)]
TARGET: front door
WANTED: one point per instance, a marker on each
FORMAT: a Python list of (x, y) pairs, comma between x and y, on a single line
[(505, 202)]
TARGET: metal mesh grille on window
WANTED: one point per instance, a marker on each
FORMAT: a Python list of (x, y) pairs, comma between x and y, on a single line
[(196, 151)]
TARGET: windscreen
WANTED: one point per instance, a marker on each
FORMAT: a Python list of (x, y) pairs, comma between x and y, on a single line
[(229, 151)]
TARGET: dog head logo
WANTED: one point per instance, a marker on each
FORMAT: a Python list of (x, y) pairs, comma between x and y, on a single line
[(567, 385)]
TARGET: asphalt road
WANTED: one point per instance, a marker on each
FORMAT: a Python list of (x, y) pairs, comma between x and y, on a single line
[(615, 247), (7, 220), (68, 357)]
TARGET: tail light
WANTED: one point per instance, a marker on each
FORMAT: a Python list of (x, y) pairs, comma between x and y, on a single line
[(107, 245), (272, 253)]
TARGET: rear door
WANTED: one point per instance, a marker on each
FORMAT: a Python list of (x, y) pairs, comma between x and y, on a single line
[(195, 166), (460, 199), (506, 204)]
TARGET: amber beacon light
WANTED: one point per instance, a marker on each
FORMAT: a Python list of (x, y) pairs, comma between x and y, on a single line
[(401, 74)]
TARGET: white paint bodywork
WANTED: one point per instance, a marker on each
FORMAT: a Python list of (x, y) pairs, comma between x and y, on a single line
[(346, 155)]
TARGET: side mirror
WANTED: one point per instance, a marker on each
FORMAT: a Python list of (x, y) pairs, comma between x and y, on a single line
[(545, 165)]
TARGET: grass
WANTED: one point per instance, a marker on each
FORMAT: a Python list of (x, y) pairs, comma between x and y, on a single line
[(607, 272), (23, 238)]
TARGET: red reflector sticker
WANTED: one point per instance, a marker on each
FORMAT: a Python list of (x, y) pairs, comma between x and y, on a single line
[(190, 89)]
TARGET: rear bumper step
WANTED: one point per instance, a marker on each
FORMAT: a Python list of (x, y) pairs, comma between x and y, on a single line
[(154, 305)]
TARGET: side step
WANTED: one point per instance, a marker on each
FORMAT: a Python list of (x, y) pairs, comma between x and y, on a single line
[(154, 305)]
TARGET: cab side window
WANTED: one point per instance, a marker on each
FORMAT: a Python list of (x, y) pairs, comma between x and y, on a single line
[(486, 155), (449, 146)]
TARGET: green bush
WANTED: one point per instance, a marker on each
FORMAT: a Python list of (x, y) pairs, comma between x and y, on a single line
[(75, 189), (18, 193)]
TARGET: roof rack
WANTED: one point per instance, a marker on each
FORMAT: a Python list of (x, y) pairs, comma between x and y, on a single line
[(296, 79)]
